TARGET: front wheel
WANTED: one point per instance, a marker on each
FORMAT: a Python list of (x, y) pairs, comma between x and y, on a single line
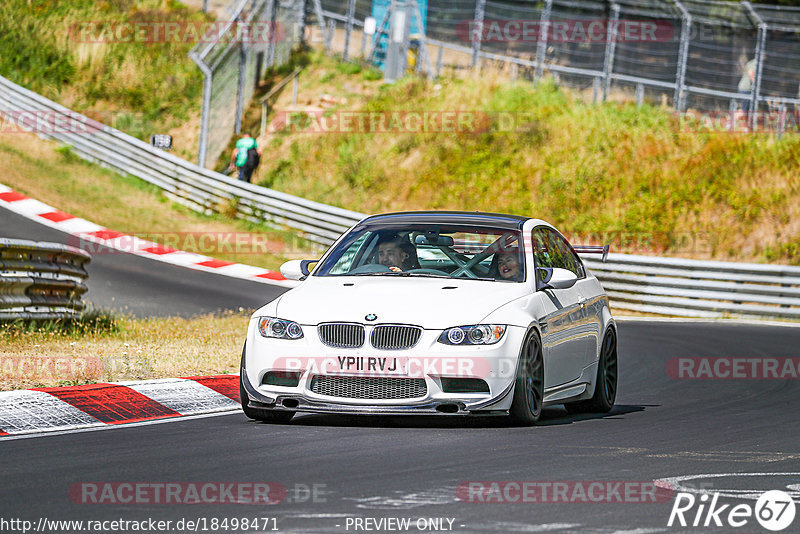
[(526, 408), (605, 388)]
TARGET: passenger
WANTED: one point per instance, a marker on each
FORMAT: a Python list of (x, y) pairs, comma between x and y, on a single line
[(506, 265)]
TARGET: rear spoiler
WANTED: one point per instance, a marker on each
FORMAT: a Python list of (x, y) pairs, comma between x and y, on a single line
[(592, 249)]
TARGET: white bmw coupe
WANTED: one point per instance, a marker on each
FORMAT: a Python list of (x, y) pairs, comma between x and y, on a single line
[(435, 313)]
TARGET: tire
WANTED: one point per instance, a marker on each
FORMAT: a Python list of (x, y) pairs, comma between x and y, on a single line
[(605, 389), (259, 414), (526, 408)]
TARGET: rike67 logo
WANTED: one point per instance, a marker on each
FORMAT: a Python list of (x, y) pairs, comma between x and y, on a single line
[(774, 510)]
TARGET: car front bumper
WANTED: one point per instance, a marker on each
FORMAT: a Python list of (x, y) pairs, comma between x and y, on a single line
[(494, 364)]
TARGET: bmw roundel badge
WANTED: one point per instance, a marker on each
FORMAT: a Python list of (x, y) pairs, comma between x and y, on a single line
[(370, 317)]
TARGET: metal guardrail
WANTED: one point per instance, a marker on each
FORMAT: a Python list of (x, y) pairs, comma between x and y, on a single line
[(201, 189), (41, 280), (695, 288)]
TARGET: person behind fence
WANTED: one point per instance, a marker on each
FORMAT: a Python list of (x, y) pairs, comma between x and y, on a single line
[(746, 83), (246, 157)]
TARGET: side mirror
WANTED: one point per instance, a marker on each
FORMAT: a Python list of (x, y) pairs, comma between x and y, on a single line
[(561, 279), (296, 269)]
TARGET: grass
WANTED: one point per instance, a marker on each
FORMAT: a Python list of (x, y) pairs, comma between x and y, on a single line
[(58, 49), (54, 175), (134, 349), (634, 176)]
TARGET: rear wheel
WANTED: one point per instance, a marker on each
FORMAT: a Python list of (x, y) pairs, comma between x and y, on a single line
[(529, 384), (259, 414), (605, 388)]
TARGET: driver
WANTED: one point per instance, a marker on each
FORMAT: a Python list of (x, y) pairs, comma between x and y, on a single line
[(391, 253)]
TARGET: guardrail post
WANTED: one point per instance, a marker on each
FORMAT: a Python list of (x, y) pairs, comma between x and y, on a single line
[(476, 33), (541, 45), (348, 29), (639, 95), (679, 98), (439, 59), (611, 46), (760, 40)]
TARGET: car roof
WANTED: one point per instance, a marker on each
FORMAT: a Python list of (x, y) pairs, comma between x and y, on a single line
[(477, 218)]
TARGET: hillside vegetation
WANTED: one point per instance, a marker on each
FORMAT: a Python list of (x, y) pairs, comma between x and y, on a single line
[(59, 49), (635, 176)]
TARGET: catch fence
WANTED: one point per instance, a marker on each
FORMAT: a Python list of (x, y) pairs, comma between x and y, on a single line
[(687, 53)]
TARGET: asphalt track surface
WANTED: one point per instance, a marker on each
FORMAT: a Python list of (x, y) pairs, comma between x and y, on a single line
[(142, 287), (410, 467), (376, 468)]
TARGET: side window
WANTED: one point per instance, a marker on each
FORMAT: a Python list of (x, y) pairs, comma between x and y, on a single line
[(551, 250)]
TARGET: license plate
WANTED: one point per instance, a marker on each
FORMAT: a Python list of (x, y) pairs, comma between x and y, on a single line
[(371, 364)]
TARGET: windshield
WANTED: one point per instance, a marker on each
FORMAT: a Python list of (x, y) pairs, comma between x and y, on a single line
[(451, 251)]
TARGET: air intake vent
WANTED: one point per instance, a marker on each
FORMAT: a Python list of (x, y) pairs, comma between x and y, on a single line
[(341, 335), (395, 337), (367, 387)]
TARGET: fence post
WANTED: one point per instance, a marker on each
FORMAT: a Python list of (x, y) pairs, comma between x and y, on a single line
[(760, 40), (348, 29), (321, 22), (611, 45), (302, 8), (678, 100), (240, 84), (541, 45), (202, 144), (272, 9), (477, 28)]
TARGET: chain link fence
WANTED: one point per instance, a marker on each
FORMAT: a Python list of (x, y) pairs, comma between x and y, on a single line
[(256, 35), (692, 54)]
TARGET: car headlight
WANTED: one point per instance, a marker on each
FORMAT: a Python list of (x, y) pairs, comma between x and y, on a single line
[(279, 328), (479, 334)]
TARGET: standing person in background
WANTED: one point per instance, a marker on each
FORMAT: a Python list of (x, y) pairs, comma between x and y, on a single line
[(746, 83), (246, 157)]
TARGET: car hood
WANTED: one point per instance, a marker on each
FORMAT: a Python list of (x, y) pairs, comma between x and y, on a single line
[(433, 303)]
